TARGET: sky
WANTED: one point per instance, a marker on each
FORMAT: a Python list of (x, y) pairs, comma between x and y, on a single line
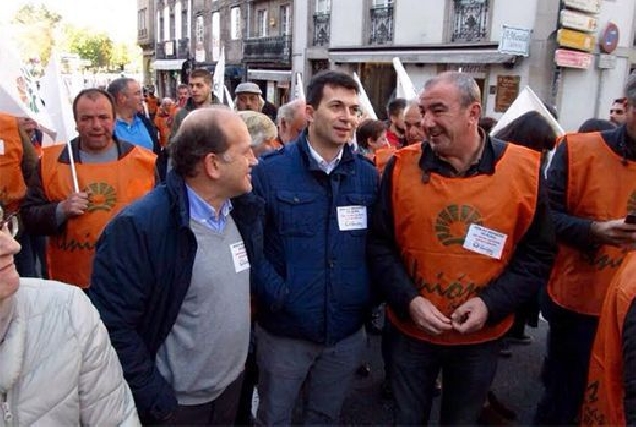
[(118, 18)]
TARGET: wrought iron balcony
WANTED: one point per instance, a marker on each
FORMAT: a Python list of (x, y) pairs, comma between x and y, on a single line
[(265, 49), (381, 25), (321, 29), (470, 20), (168, 49)]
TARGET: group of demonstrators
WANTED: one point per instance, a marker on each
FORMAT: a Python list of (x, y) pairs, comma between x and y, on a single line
[(224, 250)]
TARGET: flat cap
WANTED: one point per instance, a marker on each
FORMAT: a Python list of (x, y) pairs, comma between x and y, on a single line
[(248, 88)]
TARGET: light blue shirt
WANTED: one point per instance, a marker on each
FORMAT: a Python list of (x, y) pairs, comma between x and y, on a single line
[(135, 132), (203, 213), (325, 166)]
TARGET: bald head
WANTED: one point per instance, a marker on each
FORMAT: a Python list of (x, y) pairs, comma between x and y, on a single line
[(413, 123)]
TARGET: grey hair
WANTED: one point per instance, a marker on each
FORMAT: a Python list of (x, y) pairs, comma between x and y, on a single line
[(468, 90), (287, 111), (630, 89), (117, 86), (260, 127)]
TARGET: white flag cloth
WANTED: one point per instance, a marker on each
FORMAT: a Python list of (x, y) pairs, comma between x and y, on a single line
[(367, 108), (230, 101), (219, 77), (405, 85), (58, 100), (299, 89), (19, 96), (526, 101)]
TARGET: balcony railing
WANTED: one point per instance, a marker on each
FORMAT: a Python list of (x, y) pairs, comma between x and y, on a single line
[(142, 34), (381, 25), (321, 29), (265, 49), (171, 49), (470, 21)]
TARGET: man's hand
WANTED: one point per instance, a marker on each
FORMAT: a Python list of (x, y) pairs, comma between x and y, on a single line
[(470, 316), (75, 204), (427, 317), (616, 232)]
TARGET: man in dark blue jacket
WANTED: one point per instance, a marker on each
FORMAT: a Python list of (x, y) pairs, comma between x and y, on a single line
[(171, 277), (312, 285)]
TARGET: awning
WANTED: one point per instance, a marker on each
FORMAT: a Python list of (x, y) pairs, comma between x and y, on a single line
[(274, 75), (168, 64), (490, 56)]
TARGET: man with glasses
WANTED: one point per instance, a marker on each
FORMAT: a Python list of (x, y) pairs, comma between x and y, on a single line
[(312, 286)]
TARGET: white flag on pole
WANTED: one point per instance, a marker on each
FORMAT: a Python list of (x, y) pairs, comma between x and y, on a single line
[(219, 77), (57, 98), (299, 89), (405, 85), (230, 101), (367, 108)]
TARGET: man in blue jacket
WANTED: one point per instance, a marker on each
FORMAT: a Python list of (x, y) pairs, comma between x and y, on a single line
[(171, 277), (312, 285)]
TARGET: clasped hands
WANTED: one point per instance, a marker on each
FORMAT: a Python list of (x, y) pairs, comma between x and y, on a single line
[(467, 318)]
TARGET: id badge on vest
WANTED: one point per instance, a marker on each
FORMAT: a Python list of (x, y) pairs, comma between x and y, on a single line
[(239, 256), (352, 218), (485, 241)]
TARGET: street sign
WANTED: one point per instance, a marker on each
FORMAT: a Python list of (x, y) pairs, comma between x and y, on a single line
[(515, 41), (589, 6), (578, 21), (608, 40), (606, 62), (573, 59), (576, 40)]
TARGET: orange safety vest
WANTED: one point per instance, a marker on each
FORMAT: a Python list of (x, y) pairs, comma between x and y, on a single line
[(432, 215), (600, 188), (12, 186), (111, 186), (382, 157), (603, 403), (163, 123)]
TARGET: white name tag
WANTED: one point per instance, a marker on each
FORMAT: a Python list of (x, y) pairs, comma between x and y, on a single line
[(1, 147), (352, 218), (239, 256), (485, 241)]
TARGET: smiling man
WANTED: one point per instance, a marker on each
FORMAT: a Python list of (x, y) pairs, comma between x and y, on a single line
[(312, 286), (111, 173), (460, 237)]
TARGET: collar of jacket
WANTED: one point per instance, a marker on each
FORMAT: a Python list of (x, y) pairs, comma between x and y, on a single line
[(246, 207), (346, 166), (123, 148)]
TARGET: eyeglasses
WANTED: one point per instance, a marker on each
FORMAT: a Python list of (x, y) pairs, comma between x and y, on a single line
[(10, 223)]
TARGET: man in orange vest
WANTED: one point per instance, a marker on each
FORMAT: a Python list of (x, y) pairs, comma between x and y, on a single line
[(592, 188), (461, 236), (152, 103), (163, 121), (413, 133), (111, 173), (17, 163), (610, 396)]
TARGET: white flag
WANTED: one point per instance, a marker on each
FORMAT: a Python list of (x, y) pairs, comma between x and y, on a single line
[(57, 95), (405, 85), (219, 77), (299, 90), (367, 108)]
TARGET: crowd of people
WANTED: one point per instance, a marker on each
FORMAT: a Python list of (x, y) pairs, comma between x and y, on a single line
[(177, 255)]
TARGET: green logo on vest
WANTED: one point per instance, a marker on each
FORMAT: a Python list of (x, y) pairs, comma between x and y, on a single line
[(101, 197), (452, 223)]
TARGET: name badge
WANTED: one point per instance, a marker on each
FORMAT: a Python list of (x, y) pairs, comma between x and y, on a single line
[(351, 218), (239, 256), (485, 241), (1, 147)]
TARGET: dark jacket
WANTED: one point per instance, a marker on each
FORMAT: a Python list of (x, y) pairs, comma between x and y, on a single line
[(313, 282), (162, 155), (526, 272), (38, 212), (572, 230), (141, 274), (629, 362)]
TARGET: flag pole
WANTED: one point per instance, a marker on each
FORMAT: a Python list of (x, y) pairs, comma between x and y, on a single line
[(73, 171)]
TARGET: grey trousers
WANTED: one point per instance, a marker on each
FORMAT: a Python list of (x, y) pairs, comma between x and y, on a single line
[(285, 364)]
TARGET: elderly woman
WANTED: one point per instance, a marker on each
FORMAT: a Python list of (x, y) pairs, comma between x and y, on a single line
[(262, 130)]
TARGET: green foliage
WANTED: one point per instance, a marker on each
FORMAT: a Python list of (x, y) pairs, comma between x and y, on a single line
[(95, 47), (36, 25)]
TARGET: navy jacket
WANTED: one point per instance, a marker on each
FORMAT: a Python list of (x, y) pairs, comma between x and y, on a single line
[(141, 274), (312, 283)]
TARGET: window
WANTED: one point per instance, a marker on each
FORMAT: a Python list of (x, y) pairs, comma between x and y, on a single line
[(235, 25), (166, 23), (199, 29), (158, 25), (177, 21), (382, 3), (141, 19), (470, 20), (285, 20), (262, 22), (323, 6), (216, 36)]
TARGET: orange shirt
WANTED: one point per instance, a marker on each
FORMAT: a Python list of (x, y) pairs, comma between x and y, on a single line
[(163, 123), (12, 186)]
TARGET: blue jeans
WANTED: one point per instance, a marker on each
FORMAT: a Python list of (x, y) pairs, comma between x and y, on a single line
[(565, 371), (284, 364), (468, 372)]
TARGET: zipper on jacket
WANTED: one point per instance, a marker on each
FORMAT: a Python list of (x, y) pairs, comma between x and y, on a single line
[(7, 416)]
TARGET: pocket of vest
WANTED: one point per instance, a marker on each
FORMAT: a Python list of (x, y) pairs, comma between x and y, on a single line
[(297, 213)]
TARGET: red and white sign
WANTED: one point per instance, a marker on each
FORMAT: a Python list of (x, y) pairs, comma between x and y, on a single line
[(573, 59)]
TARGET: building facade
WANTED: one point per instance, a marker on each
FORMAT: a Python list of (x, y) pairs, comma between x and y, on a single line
[(146, 37), (432, 36)]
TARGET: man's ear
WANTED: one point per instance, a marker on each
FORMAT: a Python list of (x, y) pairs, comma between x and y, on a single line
[(309, 110)]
